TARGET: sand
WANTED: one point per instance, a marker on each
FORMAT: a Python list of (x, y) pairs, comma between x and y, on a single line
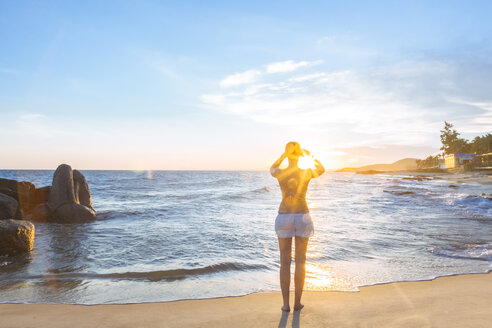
[(456, 301)]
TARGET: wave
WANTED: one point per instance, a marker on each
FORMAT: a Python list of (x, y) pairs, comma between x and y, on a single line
[(476, 206), (244, 195), (4, 263), (261, 190), (467, 251), (161, 275)]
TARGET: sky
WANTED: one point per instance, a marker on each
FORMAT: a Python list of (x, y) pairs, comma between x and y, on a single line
[(224, 85)]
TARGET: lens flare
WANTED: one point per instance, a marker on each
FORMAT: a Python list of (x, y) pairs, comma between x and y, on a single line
[(306, 162)]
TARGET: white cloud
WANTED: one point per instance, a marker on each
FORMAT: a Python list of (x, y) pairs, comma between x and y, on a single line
[(288, 66), (240, 78), (402, 103), (477, 124)]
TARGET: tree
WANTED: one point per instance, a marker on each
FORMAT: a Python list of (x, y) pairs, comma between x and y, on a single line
[(429, 162), (482, 145), (451, 142)]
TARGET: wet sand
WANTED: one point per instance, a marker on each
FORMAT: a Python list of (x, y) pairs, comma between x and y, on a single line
[(456, 301)]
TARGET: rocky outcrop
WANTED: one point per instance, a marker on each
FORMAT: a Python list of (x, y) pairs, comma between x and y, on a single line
[(70, 199), (67, 200), (8, 207), (26, 195), (16, 236)]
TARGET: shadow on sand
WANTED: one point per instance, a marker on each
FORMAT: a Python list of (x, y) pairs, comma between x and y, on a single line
[(296, 319)]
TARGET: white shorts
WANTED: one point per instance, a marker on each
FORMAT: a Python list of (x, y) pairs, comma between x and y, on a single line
[(294, 224)]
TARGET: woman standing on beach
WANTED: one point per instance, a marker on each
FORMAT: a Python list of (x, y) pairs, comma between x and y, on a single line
[(293, 219)]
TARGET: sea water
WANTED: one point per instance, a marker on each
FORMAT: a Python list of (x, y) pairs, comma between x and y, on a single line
[(171, 235)]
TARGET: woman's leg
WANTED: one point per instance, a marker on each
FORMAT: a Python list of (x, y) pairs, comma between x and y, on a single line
[(300, 273), (285, 246)]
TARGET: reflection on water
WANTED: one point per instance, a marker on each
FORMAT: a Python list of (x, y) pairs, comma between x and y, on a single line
[(320, 277), (58, 248)]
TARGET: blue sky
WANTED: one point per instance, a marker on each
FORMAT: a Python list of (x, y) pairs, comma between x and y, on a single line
[(224, 85)]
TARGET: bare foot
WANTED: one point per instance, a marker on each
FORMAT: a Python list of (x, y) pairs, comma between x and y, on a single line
[(285, 308), (298, 307)]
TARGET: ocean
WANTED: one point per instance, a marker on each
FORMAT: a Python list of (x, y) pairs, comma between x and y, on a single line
[(173, 235)]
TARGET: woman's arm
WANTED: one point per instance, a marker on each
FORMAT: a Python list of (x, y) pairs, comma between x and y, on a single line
[(319, 169), (274, 169)]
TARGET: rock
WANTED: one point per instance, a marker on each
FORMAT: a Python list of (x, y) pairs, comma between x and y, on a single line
[(81, 190), (16, 236), (8, 207), (399, 193), (8, 192), (8, 184), (41, 195), (69, 213), (452, 186), (22, 192), (41, 213), (69, 199), (417, 178), (61, 188)]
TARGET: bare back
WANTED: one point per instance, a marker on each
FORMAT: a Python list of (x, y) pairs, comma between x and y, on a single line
[(294, 183)]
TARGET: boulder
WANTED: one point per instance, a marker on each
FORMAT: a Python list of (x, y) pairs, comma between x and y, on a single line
[(8, 207), (69, 198), (71, 213), (81, 190), (41, 213), (61, 188), (8, 192), (8, 184), (22, 191), (41, 195), (16, 236)]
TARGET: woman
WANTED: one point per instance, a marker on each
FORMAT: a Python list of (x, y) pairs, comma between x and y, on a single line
[(293, 219)]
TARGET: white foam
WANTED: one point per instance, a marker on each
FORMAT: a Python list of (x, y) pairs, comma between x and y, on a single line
[(468, 251)]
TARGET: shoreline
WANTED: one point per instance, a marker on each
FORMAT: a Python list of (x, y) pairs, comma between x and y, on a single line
[(449, 301), (357, 290)]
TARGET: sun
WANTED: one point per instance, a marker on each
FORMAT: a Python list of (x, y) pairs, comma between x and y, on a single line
[(306, 162)]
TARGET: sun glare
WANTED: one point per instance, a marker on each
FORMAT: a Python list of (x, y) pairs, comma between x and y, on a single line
[(323, 278), (306, 162)]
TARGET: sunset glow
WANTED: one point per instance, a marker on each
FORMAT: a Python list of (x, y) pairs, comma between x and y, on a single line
[(306, 162)]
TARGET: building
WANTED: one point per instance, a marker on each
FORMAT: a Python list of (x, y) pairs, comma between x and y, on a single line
[(453, 161), (483, 162)]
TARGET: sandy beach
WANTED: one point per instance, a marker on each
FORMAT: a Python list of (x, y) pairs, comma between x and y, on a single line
[(455, 301)]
